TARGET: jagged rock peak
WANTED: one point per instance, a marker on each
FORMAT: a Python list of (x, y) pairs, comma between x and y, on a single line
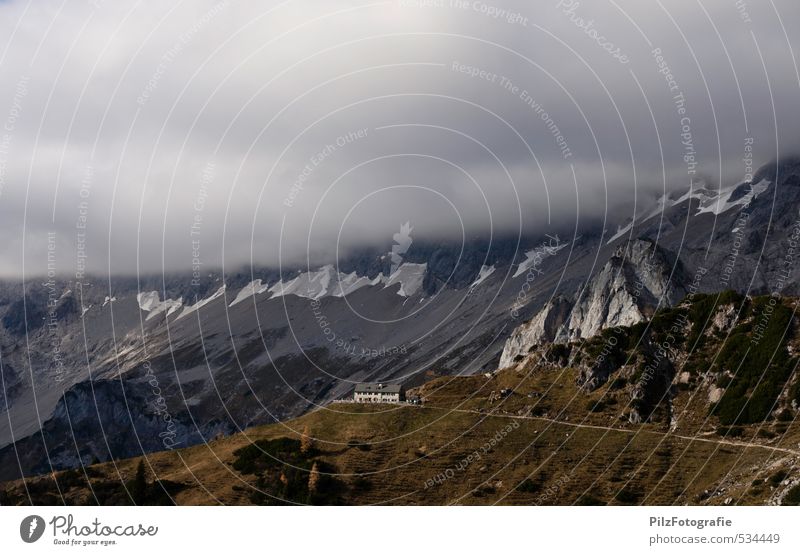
[(542, 328), (638, 277)]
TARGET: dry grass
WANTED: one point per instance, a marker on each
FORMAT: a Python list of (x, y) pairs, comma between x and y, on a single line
[(555, 452)]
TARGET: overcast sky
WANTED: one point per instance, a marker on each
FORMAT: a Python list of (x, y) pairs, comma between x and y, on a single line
[(275, 131)]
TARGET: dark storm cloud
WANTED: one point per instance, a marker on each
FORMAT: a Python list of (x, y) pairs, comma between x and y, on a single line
[(146, 137)]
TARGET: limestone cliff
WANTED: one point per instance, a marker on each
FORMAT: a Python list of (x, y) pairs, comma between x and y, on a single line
[(638, 278), (542, 328)]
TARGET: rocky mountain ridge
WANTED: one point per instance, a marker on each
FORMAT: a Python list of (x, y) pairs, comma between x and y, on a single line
[(276, 344), (637, 279), (668, 411)]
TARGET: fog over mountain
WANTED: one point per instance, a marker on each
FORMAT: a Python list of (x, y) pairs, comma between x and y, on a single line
[(151, 137)]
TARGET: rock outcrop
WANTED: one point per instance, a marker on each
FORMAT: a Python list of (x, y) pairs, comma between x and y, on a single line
[(638, 278), (543, 328), (632, 284), (652, 388)]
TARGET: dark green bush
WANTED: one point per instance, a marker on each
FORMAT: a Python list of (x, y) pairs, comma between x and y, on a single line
[(785, 416), (588, 499), (778, 477), (732, 431), (617, 383), (761, 365), (595, 406), (627, 496), (530, 486), (792, 497)]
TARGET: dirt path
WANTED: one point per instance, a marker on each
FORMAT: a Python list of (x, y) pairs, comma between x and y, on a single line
[(741, 444)]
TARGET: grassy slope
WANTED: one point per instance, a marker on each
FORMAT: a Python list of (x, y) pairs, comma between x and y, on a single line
[(564, 446), (399, 449)]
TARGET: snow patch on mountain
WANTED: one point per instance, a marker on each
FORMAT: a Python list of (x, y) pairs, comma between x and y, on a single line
[(709, 202), (150, 302), (621, 230), (284, 288), (310, 285), (350, 283), (484, 273), (327, 282), (534, 257), (252, 289), (723, 203), (200, 304), (409, 276)]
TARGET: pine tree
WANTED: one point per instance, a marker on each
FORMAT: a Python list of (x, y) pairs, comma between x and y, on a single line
[(285, 483), (138, 487), (313, 479), (313, 483), (306, 443)]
